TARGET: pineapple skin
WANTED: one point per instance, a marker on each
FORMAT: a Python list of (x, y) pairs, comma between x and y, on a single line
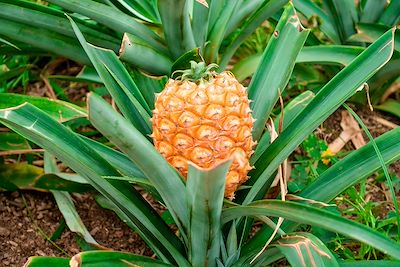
[(205, 123)]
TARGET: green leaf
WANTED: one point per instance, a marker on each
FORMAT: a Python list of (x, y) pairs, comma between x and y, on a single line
[(357, 166), (391, 15), (391, 106), (46, 262), (309, 9), (42, 17), (162, 175), (199, 23), (267, 9), (143, 56), (305, 214), (13, 141), (174, 18), (118, 82), (119, 160), (112, 18), (369, 263), (291, 111), (28, 177), (143, 9), (205, 195), (59, 110), (306, 249), (43, 39), (326, 54), (369, 33), (217, 31), (60, 141), (183, 62), (344, 15), (115, 259), (372, 10), (327, 100), (276, 66), (66, 205)]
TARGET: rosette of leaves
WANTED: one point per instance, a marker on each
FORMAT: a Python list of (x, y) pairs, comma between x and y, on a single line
[(214, 231)]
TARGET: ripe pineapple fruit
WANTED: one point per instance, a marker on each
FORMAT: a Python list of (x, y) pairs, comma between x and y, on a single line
[(204, 117)]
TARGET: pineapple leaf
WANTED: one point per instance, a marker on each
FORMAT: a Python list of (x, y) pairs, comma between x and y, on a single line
[(143, 56), (316, 217), (307, 249), (183, 62), (275, 68), (60, 141), (176, 26), (345, 173), (327, 100), (205, 195), (119, 83), (47, 261), (143, 154)]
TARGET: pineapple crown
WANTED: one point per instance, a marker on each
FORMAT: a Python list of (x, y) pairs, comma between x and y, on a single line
[(197, 72)]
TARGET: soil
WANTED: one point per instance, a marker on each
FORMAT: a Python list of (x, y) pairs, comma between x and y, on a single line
[(28, 219)]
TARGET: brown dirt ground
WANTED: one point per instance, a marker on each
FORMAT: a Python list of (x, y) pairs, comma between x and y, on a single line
[(23, 228)]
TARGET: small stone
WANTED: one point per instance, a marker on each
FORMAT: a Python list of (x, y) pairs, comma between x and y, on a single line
[(4, 232)]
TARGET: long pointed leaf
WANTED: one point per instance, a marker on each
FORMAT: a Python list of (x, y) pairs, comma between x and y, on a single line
[(328, 99), (277, 64), (164, 178), (306, 214), (35, 125), (205, 194)]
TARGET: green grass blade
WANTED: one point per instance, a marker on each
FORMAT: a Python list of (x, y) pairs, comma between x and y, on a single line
[(60, 141), (391, 15), (46, 262), (59, 110), (249, 26), (164, 178), (306, 249), (114, 259), (205, 195), (327, 100), (382, 163), (309, 9), (13, 141), (305, 214), (143, 56), (275, 68), (174, 20)]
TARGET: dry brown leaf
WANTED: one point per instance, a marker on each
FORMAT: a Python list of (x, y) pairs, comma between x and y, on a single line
[(351, 131), (203, 2)]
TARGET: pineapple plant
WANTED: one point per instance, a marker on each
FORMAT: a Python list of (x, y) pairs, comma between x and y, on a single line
[(203, 127), (204, 117)]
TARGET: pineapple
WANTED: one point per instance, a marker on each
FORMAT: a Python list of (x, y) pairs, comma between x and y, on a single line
[(204, 117)]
